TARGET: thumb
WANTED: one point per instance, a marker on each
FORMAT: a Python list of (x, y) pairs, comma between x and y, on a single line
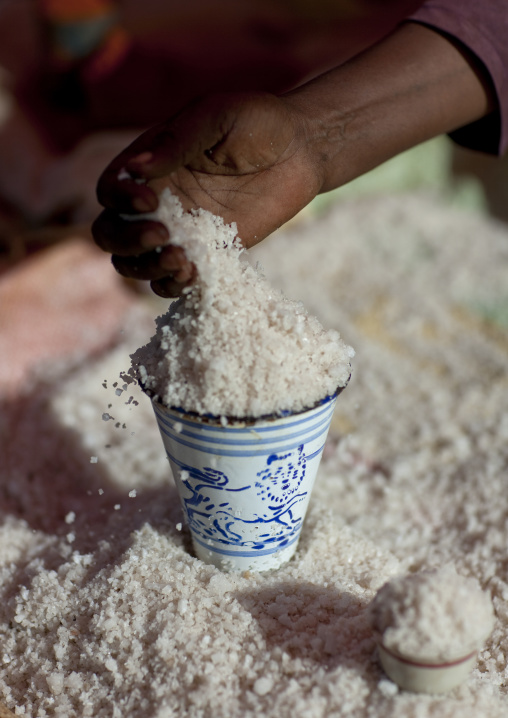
[(186, 139)]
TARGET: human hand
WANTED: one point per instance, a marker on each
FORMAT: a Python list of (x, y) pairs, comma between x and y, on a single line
[(244, 157)]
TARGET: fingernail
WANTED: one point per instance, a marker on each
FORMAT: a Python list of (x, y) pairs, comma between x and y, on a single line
[(141, 159), (152, 238), (142, 205)]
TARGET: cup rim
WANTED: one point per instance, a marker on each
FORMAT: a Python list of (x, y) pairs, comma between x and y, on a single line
[(415, 662), (247, 420)]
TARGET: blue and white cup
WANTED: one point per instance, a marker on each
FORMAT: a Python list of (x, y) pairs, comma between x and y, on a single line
[(245, 486)]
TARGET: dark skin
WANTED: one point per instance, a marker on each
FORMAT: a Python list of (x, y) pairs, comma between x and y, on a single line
[(257, 159)]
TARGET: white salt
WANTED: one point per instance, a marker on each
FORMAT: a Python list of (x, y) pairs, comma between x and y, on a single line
[(398, 491), (232, 345), (434, 615), (263, 686)]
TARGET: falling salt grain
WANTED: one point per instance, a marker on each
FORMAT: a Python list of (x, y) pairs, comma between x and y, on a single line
[(132, 494), (93, 459), (70, 517), (117, 507), (179, 527)]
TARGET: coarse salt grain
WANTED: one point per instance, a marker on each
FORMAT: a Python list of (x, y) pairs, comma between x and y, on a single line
[(396, 492), (432, 616), (263, 686), (232, 345)]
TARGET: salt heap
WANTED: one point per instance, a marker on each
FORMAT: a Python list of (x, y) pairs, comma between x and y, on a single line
[(432, 616), (232, 345)]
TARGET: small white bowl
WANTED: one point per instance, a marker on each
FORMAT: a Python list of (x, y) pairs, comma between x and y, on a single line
[(424, 677)]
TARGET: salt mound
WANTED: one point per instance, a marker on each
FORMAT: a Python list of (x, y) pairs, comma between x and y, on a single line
[(232, 345), (434, 615)]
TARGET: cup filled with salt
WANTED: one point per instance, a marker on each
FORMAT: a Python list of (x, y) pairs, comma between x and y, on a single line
[(429, 628), (243, 382)]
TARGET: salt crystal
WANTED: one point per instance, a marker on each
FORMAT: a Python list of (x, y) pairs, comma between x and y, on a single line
[(93, 459), (232, 346), (117, 507), (388, 688), (263, 686), (132, 494), (55, 682), (70, 517), (435, 615), (179, 527)]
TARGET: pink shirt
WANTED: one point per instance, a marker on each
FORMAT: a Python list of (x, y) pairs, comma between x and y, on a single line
[(166, 59), (482, 27)]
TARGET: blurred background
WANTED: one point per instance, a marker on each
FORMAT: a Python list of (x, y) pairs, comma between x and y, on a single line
[(80, 79)]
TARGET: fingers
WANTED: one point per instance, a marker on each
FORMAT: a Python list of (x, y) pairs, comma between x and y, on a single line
[(118, 190), (169, 287), (181, 141), (124, 188), (170, 265), (123, 237)]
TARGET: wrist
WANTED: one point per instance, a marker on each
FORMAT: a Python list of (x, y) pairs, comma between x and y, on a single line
[(412, 86), (327, 133)]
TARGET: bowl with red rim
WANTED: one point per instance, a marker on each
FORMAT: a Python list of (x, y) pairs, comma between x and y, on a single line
[(429, 626), (413, 674)]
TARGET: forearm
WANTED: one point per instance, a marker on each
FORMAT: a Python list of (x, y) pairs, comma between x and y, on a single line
[(414, 85)]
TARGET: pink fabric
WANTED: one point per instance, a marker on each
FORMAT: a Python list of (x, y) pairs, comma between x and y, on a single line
[(482, 27), (65, 302)]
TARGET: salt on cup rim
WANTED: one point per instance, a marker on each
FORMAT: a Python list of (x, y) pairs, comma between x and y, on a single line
[(239, 420)]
